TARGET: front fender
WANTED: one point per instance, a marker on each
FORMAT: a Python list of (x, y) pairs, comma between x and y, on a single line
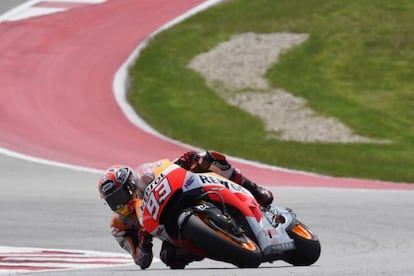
[(207, 209)]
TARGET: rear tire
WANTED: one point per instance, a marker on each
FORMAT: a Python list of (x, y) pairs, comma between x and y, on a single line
[(308, 247), (220, 245)]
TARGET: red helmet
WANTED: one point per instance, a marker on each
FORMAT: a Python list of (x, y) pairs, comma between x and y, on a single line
[(117, 186)]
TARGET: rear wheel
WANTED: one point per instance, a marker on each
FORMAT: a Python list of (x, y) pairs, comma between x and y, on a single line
[(308, 247), (221, 244)]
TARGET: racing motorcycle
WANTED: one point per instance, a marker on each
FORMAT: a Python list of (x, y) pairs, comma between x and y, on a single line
[(213, 217)]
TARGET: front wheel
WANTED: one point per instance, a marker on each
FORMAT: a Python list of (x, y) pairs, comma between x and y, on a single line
[(308, 247), (219, 244)]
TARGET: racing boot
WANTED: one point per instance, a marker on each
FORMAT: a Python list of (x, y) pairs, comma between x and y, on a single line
[(263, 196), (176, 258)]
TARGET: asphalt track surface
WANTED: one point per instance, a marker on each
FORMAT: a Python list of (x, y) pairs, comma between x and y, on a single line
[(364, 230)]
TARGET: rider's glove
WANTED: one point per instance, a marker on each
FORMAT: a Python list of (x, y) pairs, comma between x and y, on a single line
[(188, 160), (143, 253)]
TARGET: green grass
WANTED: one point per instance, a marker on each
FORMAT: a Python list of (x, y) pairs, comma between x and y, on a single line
[(357, 66)]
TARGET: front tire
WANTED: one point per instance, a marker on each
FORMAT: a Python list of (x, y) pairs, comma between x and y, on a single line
[(220, 245), (308, 247)]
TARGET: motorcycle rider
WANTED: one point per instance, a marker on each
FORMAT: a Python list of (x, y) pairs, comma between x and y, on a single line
[(121, 186)]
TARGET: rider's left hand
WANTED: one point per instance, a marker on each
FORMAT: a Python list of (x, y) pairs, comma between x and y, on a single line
[(143, 254)]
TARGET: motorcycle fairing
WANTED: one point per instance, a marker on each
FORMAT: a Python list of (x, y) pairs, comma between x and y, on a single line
[(219, 188), (157, 193), (272, 240)]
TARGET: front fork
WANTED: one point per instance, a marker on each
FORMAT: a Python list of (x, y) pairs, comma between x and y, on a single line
[(218, 217), (276, 215)]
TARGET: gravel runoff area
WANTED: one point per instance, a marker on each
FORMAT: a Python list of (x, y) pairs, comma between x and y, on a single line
[(235, 69)]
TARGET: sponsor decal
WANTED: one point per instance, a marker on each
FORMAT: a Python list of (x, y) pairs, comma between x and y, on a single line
[(189, 182), (208, 179), (221, 166), (122, 174)]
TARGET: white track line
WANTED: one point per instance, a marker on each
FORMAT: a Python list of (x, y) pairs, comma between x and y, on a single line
[(29, 9), (30, 259), (33, 12), (77, 1)]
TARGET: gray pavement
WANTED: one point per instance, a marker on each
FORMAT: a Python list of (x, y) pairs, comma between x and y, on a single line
[(362, 232), (6, 5)]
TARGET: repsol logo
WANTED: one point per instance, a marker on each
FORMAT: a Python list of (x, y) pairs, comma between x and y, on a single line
[(149, 188), (208, 179)]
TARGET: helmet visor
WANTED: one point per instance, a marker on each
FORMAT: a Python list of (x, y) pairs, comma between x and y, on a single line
[(118, 199)]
